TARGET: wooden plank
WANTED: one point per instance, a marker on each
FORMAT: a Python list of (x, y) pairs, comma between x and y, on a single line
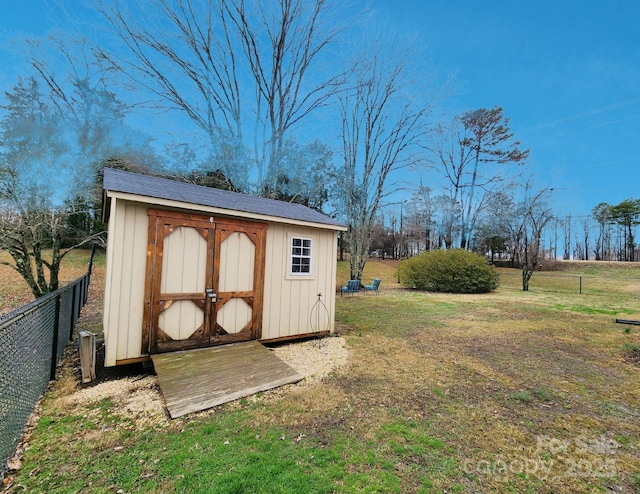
[(258, 281), (300, 336), (195, 380), (148, 335), (87, 343), (133, 360)]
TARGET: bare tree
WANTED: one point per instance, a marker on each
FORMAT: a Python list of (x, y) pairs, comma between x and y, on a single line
[(566, 229), (380, 125), (304, 174), (245, 73), (535, 214), (463, 152), (499, 228), (586, 231), (602, 214), (29, 128), (421, 219), (35, 143), (34, 238), (447, 224)]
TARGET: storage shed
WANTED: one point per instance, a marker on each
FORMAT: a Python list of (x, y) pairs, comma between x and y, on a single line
[(191, 266)]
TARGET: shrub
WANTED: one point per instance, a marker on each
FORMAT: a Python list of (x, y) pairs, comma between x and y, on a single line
[(451, 271)]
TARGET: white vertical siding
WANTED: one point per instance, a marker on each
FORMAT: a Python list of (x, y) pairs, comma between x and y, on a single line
[(237, 261), (289, 300), (184, 261), (234, 315), (184, 268), (124, 283)]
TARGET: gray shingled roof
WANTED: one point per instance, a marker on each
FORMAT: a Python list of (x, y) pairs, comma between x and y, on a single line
[(162, 188)]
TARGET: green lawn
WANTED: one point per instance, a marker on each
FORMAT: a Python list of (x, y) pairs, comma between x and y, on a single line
[(504, 392)]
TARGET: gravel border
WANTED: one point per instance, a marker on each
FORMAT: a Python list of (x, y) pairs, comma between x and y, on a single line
[(139, 398)]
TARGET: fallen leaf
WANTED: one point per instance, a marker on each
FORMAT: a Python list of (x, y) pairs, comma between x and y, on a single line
[(14, 464)]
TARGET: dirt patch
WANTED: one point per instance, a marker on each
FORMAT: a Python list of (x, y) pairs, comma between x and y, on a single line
[(633, 355)]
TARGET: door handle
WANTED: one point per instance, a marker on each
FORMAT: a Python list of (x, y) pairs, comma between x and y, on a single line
[(211, 294)]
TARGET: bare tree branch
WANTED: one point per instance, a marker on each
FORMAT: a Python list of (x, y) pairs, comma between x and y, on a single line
[(380, 125), (463, 151), (241, 72)]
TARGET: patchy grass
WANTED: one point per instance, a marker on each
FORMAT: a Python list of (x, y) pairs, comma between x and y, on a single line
[(504, 392), (522, 396), (595, 278), (593, 310)]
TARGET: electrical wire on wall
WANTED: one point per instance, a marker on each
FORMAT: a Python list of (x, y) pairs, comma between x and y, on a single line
[(319, 319)]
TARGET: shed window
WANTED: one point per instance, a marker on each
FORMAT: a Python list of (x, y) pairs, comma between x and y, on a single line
[(300, 255)]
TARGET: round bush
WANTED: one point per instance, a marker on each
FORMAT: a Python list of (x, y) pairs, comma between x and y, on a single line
[(450, 271)]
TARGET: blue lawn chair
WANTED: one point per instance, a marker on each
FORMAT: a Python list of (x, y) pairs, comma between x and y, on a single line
[(353, 286), (373, 287)]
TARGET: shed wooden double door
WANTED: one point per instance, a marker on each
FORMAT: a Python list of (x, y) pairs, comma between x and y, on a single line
[(204, 281)]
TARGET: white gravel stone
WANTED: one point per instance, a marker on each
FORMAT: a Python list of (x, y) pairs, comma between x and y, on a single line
[(315, 358), (140, 399)]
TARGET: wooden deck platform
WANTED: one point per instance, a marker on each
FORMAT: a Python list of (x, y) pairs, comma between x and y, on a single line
[(194, 380)]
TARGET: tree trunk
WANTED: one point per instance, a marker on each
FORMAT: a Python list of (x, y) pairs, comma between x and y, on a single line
[(359, 242), (525, 278)]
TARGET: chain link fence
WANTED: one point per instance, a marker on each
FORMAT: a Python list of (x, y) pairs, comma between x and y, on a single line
[(32, 340)]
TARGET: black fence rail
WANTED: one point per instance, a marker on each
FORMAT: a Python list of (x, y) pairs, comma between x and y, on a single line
[(32, 340)]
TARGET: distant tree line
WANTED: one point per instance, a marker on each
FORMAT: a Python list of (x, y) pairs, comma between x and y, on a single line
[(615, 237), (609, 234), (287, 100)]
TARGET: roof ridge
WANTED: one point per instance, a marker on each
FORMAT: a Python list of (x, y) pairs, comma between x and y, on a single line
[(166, 188)]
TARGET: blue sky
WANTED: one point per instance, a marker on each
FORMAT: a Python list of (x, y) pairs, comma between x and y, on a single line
[(566, 72)]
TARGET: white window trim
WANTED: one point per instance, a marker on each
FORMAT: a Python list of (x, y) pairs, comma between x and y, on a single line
[(290, 275)]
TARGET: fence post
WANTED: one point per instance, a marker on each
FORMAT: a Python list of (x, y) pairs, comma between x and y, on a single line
[(74, 298), (86, 290), (54, 346), (82, 294), (72, 322), (93, 253), (80, 297), (580, 285)]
